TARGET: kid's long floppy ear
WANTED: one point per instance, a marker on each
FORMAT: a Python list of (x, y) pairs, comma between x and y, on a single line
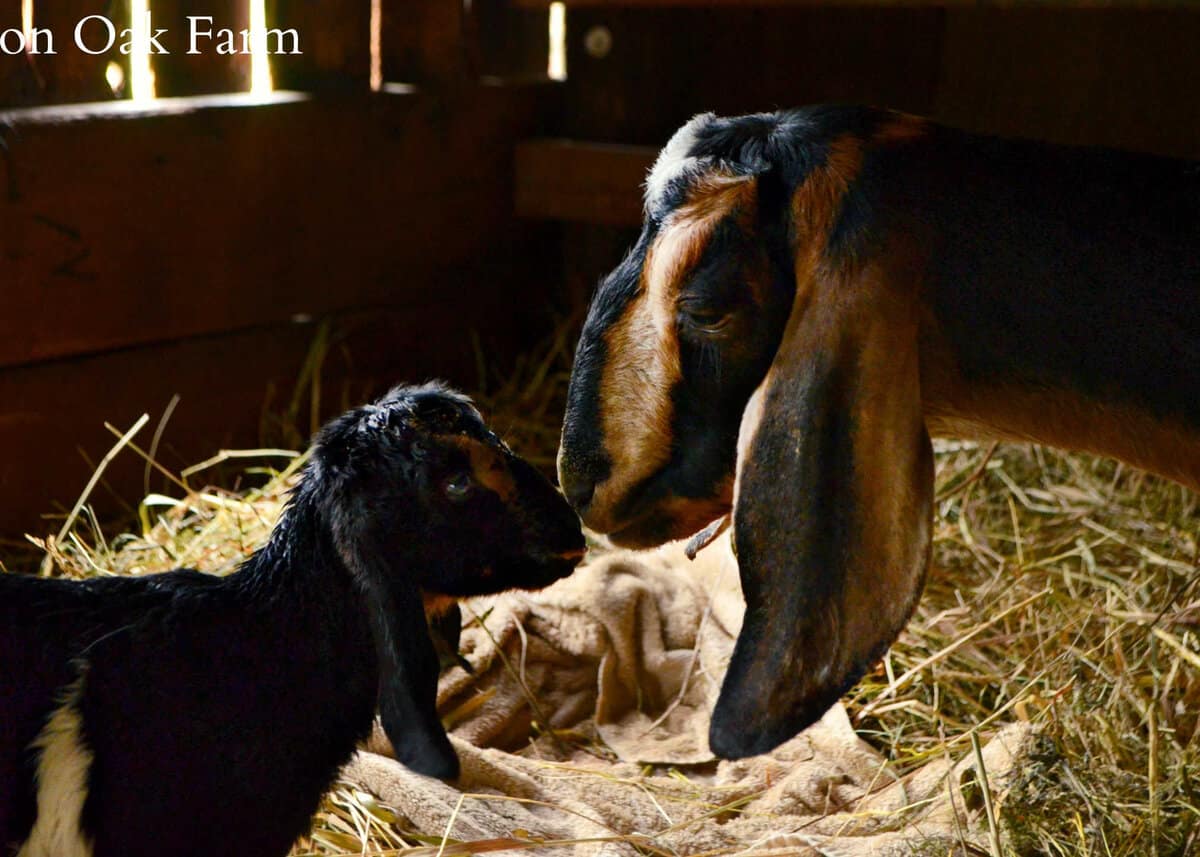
[(408, 663), (408, 679), (833, 508)]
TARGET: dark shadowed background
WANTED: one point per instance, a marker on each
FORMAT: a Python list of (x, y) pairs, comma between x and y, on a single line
[(419, 196)]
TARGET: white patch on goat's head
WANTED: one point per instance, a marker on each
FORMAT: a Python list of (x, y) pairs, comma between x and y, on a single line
[(62, 777), (675, 159)]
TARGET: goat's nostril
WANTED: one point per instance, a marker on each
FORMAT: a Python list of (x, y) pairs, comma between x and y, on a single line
[(579, 491)]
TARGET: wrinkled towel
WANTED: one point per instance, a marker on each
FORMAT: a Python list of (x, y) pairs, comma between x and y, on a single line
[(586, 720)]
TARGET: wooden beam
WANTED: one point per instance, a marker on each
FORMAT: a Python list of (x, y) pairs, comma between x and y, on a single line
[(428, 42), (217, 215), (335, 48), (513, 42), (72, 75), (583, 182), (18, 80), (181, 73)]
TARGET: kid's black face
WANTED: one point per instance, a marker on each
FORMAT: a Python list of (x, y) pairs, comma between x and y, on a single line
[(509, 527), (426, 500), (435, 481)]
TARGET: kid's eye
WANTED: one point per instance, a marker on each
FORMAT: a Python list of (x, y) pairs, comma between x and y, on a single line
[(458, 487)]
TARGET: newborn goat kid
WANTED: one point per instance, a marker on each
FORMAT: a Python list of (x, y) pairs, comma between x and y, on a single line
[(187, 714)]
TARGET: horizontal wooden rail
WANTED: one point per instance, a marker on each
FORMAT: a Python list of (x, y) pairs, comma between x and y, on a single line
[(186, 246), (122, 226), (595, 183)]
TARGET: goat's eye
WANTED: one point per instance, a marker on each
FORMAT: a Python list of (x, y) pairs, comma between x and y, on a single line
[(458, 487), (706, 319)]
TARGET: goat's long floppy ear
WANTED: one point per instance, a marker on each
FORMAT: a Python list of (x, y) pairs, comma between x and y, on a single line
[(833, 509), (408, 679), (408, 663)]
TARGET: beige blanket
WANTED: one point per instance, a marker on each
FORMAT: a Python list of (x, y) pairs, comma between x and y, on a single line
[(586, 718)]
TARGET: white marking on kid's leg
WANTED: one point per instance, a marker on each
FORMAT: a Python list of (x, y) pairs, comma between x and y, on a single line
[(62, 778)]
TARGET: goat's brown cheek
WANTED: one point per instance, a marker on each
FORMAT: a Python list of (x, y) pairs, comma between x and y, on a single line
[(635, 406), (643, 366)]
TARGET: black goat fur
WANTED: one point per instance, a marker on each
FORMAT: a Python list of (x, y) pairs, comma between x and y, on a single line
[(217, 711)]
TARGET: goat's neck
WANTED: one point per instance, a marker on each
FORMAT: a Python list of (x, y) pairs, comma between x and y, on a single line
[(299, 553), (1010, 409), (1060, 294), (297, 588)]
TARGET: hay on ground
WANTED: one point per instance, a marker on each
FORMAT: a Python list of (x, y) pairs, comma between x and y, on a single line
[(1064, 593)]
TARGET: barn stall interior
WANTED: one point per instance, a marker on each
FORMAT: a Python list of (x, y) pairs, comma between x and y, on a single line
[(240, 244)]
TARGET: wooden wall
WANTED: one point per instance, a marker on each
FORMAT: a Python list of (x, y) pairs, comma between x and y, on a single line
[(192, 246), (1101, 72), (1121, 76)]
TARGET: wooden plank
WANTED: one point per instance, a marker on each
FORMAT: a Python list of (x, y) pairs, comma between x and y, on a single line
[(581, 182), (219, 217), (1123, 78), (336, 47), (18, 80), (513, 42), (665, 65), (181, 73), (226, 384), (73, 75), (428, 42)]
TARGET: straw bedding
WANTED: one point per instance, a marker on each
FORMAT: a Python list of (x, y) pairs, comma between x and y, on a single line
[(1043, 700), (622, 663)]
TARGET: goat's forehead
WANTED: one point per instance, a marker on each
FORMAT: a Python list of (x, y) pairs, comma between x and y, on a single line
[(675, 161)]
